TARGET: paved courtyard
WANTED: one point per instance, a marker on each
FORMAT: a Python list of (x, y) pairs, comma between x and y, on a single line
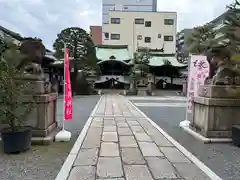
[(44, 162), (119, 143), (167, 112)]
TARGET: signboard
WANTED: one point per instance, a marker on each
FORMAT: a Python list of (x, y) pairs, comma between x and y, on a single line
[(67, 89), (198, 72)]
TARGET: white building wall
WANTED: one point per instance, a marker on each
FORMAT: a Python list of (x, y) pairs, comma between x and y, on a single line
[(126, 5), (129, 31)]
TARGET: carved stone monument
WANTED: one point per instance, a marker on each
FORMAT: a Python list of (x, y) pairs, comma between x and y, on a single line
[(43, 115), (217, 107)]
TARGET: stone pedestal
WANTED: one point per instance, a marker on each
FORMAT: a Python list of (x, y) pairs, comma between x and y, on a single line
[(43, 115), (215, 111)]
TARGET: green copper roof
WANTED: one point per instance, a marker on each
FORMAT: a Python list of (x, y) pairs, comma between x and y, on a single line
[(104, 53), (161, 60)]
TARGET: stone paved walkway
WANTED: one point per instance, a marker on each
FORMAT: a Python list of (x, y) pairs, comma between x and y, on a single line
[(121, 144)]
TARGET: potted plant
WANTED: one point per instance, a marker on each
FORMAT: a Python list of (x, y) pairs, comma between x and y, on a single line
[(13, 110)]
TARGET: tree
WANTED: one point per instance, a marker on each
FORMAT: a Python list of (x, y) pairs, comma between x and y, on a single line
[(201, 39), (140, 67), (81, 49), (141, 61), (12, 90), (226, 50), (3, 46), (231, 30)]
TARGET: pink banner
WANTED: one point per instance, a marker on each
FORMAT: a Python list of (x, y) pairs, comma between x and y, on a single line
[(67, 90), (198, 72)]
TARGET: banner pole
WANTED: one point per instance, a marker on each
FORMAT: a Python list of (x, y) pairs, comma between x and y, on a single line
[(63, 135), (186, 122), (189, 63), (64, 86)]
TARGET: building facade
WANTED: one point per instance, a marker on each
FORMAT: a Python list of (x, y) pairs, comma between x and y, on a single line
[(96, 34), (181, 39), (182, 48), (126, 5), (154, 30), (116, 64)]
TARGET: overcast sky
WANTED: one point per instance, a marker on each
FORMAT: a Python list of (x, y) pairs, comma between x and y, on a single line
[(46, 18)]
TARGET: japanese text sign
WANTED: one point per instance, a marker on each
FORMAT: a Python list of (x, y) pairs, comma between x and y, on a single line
[(198, 72), (67, 90)]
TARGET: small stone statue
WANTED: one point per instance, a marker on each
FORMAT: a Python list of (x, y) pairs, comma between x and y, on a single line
[(224, 75), (34, 51)]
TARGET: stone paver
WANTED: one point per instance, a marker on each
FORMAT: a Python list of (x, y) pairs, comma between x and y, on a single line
[(109, 129), (137, 129), (109, 149), (174, 155), (123, 145), (124, 132), (143, 137), (87, 157), (190, 171), (112, 179), (85, 172), (122, 124), (161, 168), (137, 172), (92, 140), (150, 149), (109, 123), (133, 123), (110, 136), (109, 167), (128, 141), (132, 156)]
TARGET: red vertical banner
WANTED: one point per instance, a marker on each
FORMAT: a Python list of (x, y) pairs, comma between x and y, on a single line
[(67, 88)]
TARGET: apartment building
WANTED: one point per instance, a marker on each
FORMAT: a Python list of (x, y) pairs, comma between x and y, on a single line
[(154, 30), (126, 5), (181, 39), (96, 34)]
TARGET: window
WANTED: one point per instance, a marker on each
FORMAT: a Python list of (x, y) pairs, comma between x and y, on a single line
[(168, 21), (115, 36), (115, 20), (125, 7), (106, 35), (159, 36), (147, 39), (148, 23), (139, 37), (139, 21), (168, 38)]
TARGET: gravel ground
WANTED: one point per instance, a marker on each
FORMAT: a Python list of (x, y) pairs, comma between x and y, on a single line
[(223, 159), (44, 162)]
